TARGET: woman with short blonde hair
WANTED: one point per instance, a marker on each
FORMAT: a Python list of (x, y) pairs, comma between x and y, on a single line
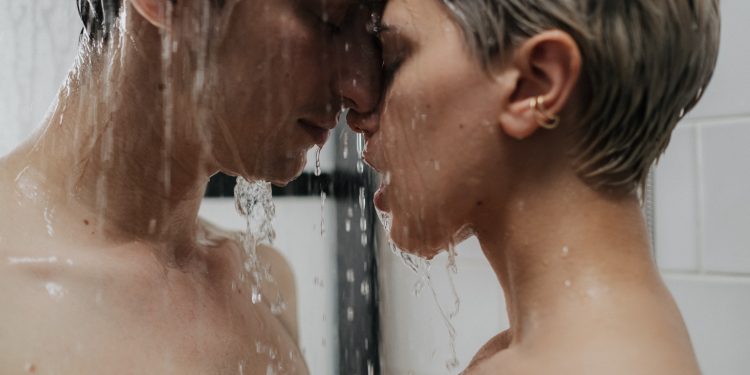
[(532, 124)]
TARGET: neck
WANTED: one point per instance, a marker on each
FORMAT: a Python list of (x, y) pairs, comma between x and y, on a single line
[(110, 155), (546, 250)]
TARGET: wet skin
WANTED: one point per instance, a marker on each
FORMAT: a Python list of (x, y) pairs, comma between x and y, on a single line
[(105, 265), (461, 152)]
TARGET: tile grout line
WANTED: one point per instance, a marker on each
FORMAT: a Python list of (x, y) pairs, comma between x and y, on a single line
[(700, 192)]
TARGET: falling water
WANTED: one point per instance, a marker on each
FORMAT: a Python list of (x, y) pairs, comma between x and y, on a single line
[(254, 202), (422, 268), (317, 160), (360, 153)]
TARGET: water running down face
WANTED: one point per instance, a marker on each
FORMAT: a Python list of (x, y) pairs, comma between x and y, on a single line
[(293, 64), (275, 77)]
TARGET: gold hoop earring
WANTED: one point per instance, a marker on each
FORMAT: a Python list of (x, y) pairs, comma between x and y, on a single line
[(547, 120)]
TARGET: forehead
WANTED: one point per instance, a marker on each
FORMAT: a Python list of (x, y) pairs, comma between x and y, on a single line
[(419, 15)]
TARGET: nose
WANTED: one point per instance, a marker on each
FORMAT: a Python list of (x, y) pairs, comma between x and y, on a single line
[(357, 77)]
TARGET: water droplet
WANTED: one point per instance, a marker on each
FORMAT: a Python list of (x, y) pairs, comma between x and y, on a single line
[(568, 283), (256, 296), (55, 290), (279, 305), (360, 145), (348, 225), (363, 224), (350, 314), (362, 199), (350, 275), (152, 226), (317, 160), (363, 240), (565, 251), (364, 288), (318, 281), (322, 213), (48, 216)]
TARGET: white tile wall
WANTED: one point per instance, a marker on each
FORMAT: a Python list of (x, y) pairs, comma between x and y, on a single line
[(676, 203), (716, 310), (726, 95), (725, 166)]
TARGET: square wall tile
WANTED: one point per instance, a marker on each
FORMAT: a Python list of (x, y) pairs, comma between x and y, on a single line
[(726, 95), (716, 311), (676, 200), (725, 179)]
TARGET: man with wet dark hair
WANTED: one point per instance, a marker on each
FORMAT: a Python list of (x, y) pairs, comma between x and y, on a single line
[(108, 268)]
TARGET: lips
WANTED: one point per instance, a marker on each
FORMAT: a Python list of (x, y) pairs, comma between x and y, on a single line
[(380, 200), (318, 133)]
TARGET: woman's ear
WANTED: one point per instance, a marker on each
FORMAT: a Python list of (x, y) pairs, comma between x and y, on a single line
[(154, 11), (548, 66)]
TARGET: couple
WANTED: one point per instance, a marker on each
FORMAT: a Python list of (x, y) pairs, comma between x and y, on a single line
[(531, 124)]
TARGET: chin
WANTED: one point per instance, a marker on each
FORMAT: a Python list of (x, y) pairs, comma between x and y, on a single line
[(422, 243), (283, 171)]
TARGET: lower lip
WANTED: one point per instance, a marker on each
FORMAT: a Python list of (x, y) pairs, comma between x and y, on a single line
[(380, 201), (318, 134)]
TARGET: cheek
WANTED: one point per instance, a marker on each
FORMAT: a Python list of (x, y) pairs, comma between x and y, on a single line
[(439, 154)]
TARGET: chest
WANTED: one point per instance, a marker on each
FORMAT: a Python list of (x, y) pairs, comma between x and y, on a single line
[(67, 327)]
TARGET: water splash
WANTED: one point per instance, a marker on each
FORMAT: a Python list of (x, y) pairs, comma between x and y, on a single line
[(254, 202)]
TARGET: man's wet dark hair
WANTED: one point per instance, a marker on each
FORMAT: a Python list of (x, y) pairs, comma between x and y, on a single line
[(98, 16)]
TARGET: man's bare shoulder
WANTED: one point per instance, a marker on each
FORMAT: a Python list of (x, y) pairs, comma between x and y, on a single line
[(279, 290)]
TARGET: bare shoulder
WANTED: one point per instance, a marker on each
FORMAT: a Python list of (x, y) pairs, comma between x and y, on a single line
[(279, 291), (586, 356)]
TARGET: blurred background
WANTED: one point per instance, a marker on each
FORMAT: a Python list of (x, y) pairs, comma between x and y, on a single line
[(362, 311)]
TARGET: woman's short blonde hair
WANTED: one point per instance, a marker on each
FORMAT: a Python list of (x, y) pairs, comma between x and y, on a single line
[(646, 63)]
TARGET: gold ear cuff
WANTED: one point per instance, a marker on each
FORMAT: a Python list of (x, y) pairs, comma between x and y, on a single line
[(543, 117)]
